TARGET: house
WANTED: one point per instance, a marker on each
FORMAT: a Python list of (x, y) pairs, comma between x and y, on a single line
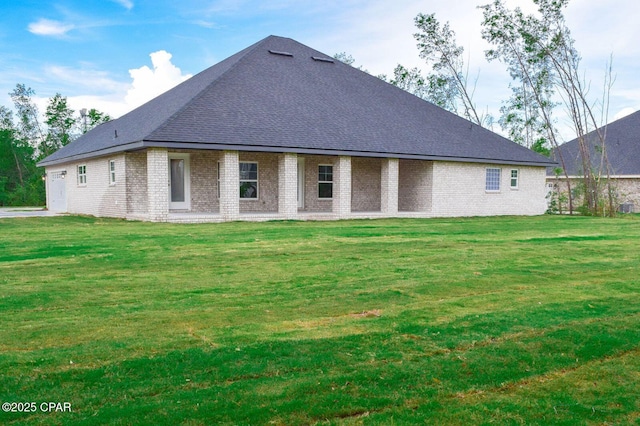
[(282, 131), (622, 165)]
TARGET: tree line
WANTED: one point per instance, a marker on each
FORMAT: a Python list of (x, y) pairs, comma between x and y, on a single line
[(26, 138)]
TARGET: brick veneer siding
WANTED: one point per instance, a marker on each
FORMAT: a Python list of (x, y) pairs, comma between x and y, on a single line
[(97, 197), (459, 189), (157, 184), (389, 175), (136, 171), (288, 185), (229, 189), (311, 201), (267, 200), (362, 187), (415, 183), (365, 184), (627, 190), (204, 181), (342, 187)]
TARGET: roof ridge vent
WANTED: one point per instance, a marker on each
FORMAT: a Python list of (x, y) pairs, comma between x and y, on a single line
[(320, 59), (277, 52)]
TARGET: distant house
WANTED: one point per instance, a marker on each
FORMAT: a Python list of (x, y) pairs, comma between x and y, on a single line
[(281, 131), (622, 145)]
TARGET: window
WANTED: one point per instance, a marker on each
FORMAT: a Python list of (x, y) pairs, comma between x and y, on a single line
[(249, 180), (325, 181), (82, 175), (218, 180), (112, 172), (493, 180), (514, 179)]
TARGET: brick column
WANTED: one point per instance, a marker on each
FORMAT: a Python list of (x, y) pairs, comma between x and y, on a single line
[(342, 187), (158, 184), (288, 185), (389, 186), (229, 185)]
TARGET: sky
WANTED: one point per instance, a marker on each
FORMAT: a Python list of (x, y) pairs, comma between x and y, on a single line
[(114, 55)]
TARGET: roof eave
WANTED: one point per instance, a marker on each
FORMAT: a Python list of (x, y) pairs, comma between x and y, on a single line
[(133, 146)]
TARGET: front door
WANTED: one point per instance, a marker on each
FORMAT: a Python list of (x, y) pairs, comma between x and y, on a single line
[(57, 192), (179, 182)]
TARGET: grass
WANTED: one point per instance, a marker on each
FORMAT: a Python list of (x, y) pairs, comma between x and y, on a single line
[(448, 321)]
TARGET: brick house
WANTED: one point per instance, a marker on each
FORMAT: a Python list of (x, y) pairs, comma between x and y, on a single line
[(281, 131), (622, 144)]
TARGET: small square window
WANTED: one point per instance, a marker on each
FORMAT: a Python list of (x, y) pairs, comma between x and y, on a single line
[(112, 172), (514, 179), (82, 175), (493, 180)]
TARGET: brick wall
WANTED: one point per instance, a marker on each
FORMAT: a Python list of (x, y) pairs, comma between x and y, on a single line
[(157, 184), (288, 185), (627, 191), (311, 201), (136, 172), (204, 181), (229, 189), (267, 200), (415, 185), (389, 186), (365, 184), (97, 197), (459, 189)]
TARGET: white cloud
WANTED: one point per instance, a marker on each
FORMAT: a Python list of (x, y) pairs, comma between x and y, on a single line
[(149, 83), (127, 4), (47, 27)]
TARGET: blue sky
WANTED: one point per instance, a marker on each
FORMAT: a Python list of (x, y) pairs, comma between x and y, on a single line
[(115, 54)]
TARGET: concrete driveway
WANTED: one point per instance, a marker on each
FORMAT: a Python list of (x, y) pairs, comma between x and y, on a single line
[(6, 212)]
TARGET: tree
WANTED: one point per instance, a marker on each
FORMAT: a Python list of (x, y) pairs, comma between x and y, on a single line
[(540, 55), (94, 118), (23, 142), (439, 89), (437, 46), (60, 123), (28, 128), (20, 183)]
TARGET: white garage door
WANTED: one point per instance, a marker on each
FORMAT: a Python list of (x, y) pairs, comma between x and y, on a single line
[(57, 192)]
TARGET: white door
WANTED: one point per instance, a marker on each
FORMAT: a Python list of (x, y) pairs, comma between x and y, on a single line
[(179, 182), (57, 192), (300, 183)]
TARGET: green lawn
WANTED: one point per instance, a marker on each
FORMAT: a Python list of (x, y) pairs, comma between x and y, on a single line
[(441, 321)]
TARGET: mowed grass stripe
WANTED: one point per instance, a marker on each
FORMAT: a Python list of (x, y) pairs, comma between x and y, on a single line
[(295, 323)]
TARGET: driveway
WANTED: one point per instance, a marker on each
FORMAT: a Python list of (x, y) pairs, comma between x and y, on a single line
[(6, 212)]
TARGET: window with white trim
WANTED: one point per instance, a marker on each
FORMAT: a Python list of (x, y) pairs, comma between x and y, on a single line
[(514, 178), (82, 175), (218, 180), (249, 180), (112, 172), (493, 180), (325, 181)]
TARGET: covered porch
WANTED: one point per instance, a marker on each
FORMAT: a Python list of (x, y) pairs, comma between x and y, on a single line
[(193, 186)]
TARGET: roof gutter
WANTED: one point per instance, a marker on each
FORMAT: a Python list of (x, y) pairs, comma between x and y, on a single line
[(134, 146)]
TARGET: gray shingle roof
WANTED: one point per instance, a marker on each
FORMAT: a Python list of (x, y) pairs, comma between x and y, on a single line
[(257, 100), (622, 143)]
